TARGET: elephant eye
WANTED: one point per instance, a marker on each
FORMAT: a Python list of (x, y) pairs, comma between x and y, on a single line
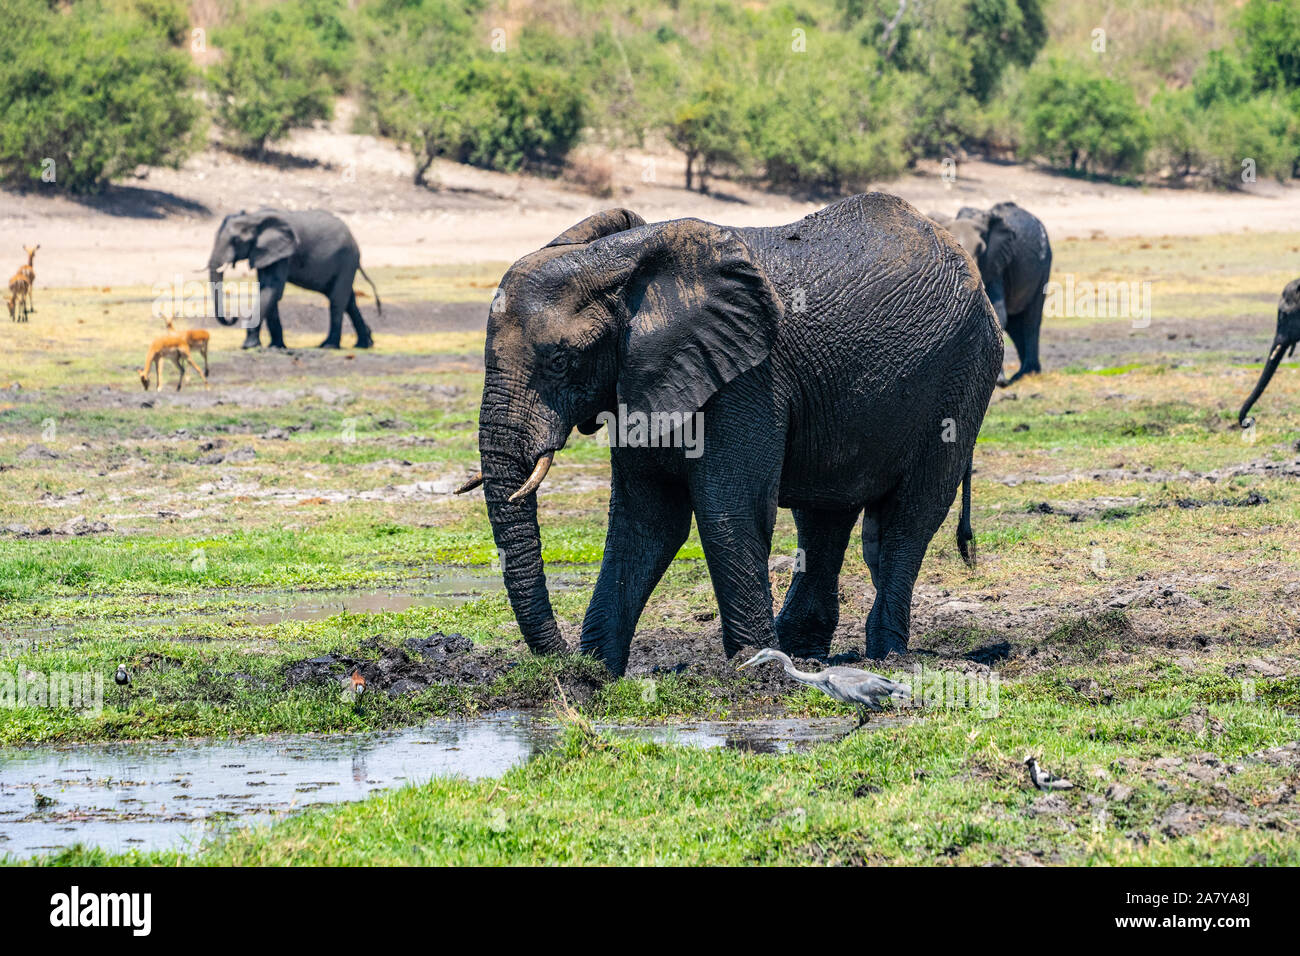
[(558, 362)]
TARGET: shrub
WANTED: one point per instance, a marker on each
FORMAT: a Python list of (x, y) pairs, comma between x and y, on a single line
[(281, 67), (498, 111), (1270, 35), (94, 91), (1082, 121)]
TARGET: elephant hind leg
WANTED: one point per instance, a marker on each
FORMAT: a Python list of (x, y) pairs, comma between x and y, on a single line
[(907, 524), (364, 340), (811, 609)]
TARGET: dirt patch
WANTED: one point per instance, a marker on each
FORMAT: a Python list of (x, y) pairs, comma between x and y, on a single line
[(491, 680)]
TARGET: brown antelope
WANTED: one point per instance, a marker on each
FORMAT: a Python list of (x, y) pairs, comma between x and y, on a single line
[(174, 347), (19, 290), (196, 339), (28, 273)]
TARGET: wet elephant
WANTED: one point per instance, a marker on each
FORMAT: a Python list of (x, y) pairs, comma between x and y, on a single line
[(839, 366), (1015, 263)]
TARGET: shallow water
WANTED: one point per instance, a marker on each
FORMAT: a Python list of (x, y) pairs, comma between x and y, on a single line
[(171, 794)]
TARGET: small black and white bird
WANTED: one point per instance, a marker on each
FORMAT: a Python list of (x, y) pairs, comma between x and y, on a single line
[(121, 678), (1045, 779)]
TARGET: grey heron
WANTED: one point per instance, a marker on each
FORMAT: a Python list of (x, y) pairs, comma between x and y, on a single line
[(851, 685), (1044, 779)]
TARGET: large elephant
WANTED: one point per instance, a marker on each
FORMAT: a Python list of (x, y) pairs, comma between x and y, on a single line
[(1288, 334), (839, 366), (311, 249), (1015, 262)]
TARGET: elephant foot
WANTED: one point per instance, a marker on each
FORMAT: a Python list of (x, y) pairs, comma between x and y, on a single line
[(328, 344), (252, 342), (365, 343), (881, 644)]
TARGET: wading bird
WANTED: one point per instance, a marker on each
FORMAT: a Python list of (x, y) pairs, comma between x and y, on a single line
[(1044, 779), (851, 685), (356, 685), (121, 678)]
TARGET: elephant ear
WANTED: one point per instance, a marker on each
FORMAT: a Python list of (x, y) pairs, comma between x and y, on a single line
[(275, 240), (1001, 239), (597, 226), (698, 313)]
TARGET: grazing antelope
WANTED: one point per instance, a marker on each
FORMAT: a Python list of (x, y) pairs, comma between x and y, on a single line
[(28, 273), (19, 290), (197, 340), (174, 347)]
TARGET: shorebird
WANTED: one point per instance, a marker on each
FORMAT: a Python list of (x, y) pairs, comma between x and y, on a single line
[(1044, 779), (851, 685)]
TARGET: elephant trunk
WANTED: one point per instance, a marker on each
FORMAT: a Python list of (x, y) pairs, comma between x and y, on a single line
[(1265, 376), (518, 539), (219, 306)]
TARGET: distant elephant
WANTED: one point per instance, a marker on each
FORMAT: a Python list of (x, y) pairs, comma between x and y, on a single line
[(1015, 261), (311, 249), (839, 366), (1288, 334)]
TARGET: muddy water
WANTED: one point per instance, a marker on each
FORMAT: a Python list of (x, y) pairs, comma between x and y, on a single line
[(172, 794)]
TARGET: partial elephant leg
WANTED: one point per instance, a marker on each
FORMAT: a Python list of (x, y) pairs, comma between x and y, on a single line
[(1031, 321), (270, 284), (871, 544), (649, 520), (812, 605), (906, 527), (364, 340), (736, 546), (1016, 332), (338, 297), (275, 332)]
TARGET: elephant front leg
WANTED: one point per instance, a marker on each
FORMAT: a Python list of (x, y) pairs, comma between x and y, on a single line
[(812, 605), (736, 546), (648, 522)]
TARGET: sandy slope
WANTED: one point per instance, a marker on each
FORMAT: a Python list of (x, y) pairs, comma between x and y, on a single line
[(152, 227)]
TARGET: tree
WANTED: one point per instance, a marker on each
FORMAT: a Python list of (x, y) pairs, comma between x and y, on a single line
[(1084, 121), (281, 67), (89, 94)]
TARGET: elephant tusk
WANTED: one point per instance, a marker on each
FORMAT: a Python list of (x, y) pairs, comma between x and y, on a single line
[(535, 479), (470, 485)]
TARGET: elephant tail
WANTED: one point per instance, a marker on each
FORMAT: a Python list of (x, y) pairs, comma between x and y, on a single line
[(966, 536), (378, 305)]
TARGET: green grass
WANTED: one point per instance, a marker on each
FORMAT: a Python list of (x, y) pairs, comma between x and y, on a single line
[(1132, 453)]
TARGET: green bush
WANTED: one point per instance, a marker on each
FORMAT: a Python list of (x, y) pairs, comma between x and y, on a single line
[(429, 82), (95, 92), (281, 67), (1082, 121), (1270, 34), (1216, 125)]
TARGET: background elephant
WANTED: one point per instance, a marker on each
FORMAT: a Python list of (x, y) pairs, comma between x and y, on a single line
[(1288, 334), (842, 366), (1015, 262), (311, 249)]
